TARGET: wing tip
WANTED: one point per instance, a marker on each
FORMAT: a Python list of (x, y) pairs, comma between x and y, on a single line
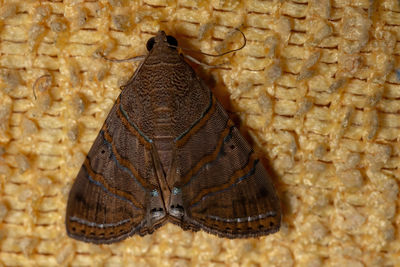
[(141, 230), (244, 234), (195, 226), (98, 240)]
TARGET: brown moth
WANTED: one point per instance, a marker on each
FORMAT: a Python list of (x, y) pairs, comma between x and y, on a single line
[(169, 152)]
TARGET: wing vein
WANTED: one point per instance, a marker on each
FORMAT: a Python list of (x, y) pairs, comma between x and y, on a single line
[(95, 178), (234, 180), (124, 164)]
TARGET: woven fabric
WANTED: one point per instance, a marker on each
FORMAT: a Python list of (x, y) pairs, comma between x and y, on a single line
[(316, 90)]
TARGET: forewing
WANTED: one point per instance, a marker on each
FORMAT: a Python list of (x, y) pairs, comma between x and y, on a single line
[(221, 186), (115, 194)]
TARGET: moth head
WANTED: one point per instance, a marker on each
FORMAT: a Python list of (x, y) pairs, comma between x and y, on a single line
[(161, 37)]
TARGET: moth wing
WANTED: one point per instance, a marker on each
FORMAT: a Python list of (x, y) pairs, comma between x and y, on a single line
[(115, 194), (222, 188)]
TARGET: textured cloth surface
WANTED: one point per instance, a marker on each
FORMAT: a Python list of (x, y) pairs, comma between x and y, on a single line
[(316, 90)]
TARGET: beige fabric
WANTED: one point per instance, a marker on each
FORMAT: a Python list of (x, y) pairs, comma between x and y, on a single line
[(315, 88)]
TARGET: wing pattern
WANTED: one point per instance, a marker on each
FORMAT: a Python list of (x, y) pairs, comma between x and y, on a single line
[(223, 188), (116, 193), (169, 152)]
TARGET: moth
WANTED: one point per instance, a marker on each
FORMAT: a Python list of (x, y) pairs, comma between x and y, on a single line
[(168, 151)]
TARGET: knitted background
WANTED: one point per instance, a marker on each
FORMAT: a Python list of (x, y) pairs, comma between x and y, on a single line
[(316, 90)]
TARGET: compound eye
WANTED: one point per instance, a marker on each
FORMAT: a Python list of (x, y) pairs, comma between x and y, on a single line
[(150, 43), (171, 40)]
